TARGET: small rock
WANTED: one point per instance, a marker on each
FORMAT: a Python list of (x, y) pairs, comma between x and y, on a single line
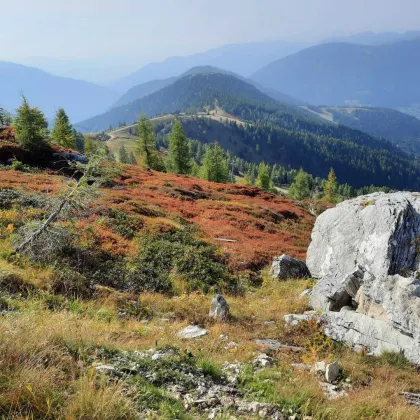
[(192, 331), (332, 391), (320, 367), (295, 319), (105, 368), (231, 346), (332, 372), (263, 361), (286, 267), (219, 308)]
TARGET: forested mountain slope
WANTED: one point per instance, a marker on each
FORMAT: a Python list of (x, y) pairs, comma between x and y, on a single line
[(347, 74), (401, 129), (276, 132)]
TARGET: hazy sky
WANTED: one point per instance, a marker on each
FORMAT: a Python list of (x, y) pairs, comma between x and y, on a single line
[(154, 29)]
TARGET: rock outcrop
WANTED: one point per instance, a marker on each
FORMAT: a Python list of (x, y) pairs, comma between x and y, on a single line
[(365, 253), (286, 267), (219, 308)]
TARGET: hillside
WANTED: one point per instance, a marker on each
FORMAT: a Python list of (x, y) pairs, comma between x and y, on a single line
[(347, 74), (80, 99), (191, 93), (243, 59), (371, 163), (142, 90), (92, 328), (401, 129)]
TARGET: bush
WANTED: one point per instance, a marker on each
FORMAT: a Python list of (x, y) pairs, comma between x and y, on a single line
[(165, 256)]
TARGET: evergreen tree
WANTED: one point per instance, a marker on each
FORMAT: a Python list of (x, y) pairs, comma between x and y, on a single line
[(215, 166), (31, 127), (62, 132), (80, 141), (5, 117), (123, 155), (179, 156), (91, 146), (146, 145), (301, 187), (132, 159), (264, 180), (330, 187)]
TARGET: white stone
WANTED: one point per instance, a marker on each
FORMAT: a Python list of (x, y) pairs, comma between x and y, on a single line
[(192, 331)]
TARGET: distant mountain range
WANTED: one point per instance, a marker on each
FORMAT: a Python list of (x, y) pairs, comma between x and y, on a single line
[(80, 99), (349, 74), (243, 59), (373, 38)]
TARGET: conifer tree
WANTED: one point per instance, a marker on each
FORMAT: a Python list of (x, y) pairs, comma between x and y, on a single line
[(215, 166), (80, 141), (5, 117), (146, 145), (179, 156), (123, 155), (31, 127), (62, 132), (330, 187), (301, 187), (91, 146), (132, 159), (264, 180)]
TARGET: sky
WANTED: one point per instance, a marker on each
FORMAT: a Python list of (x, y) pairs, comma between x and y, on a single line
[(130, 33)]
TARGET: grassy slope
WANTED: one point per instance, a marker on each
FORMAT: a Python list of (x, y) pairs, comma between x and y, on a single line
[(49, 341)]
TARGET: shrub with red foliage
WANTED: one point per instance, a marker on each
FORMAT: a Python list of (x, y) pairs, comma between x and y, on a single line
[(248, 225)]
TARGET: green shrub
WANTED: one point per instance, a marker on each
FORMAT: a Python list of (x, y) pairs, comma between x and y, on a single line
[(177, 253)]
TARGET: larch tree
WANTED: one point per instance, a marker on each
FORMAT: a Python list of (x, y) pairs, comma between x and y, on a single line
[(179, 156), (302, 186), (264, 179), (330, 187), (62, 132), (146, 145), (215, 166), (31, 127)]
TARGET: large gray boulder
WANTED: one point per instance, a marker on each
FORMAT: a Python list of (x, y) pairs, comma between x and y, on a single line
[(286, 267), (365, 253)]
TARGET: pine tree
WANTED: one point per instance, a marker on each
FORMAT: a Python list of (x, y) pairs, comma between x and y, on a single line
[(215, 167), (146, 145), (62, 132), (123, 155), (330, 187), (132, 159), (31, 127), (301, 187), (264, 180), (179, 156)]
